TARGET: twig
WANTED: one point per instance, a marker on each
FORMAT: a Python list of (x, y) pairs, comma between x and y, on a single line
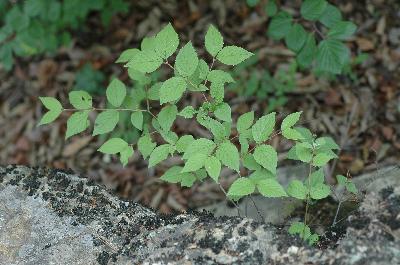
[(258, 211)]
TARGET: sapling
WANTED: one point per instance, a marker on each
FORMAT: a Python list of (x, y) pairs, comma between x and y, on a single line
[(241, 145)]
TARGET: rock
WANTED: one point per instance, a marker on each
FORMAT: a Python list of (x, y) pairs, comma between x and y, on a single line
[(55, 217)]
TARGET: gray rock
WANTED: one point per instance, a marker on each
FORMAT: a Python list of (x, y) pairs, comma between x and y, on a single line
[(56, 217)]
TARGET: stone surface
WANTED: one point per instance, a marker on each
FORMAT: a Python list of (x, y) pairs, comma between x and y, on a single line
[(55, 217)]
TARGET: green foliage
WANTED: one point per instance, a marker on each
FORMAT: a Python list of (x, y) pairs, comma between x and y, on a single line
[(322, 43), (272, 88), (34, 27), (90, 80), (304, 231), (201, 157)]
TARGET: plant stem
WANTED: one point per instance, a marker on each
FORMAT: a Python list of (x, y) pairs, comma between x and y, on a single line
[(337, 213), (258, 211), (308, 192), (226, 195)]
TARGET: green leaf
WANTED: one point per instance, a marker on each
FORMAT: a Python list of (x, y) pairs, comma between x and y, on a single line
[(233, 55), (314, 238), (217, 129), (159, 154), (113, 146), (105, 122), (184, 142), (317, 177), (342, 30), (154, 92), (244, 144), (271, 188), (304, 152), (280, 25), (301, 229), (194, 163), (219, 76), (54, 107), (217, 91), (137, 120), (228, 154), (80, 99), (77, 123), (187, 179), (213, 41), (213, 167), (241, 187), (320, 191), (297, 190), (326, 143), (145, 145), (307, 54), (172, 89), (267, 157), (245, 121), (332, 56), (223, 112), (351, 187), (172, 175), (313, 9), (145, 61), (202, 145), (341, 180), (271, 8), (166, 41), (116, 92), (167, 116), (186, 61), (287, 124), (296, 37), (263, 128), (125, 154), (188, 112), (261, 174), (250, 163), (331, 16), (127, 55), (322, 159)]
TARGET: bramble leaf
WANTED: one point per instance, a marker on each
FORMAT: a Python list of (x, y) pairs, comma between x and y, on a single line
[(188, 112), (116, 92), (266, 156), (271, 188), (342, 30), (184, 142), (241, 187), (213, 41), (320, 191), (145, 61), (233, 55), (202, 145), (263, 127), (296, 37), (194, 163), (307, 54), (137, 120), (280, 25), (77, 123), (80, 99), (186, 61), (125, 154), (127, 55), (213, 167), (297, 189), (331, 16), (166, 41), (228, 154), (145, 145), (105, 122), (54, 107), (271, 9), (332, 56), (167, 116), (113, 146), (172, 175), (313, 9), (172, 89), (159, 154), (245, 121), (223, 112)]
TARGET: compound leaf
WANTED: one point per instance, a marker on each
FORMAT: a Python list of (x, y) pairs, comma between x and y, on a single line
[(159, 154), (167, 116), (80, 99), (241, 187), (113, 146), (332, 56), (213, 167), (233, 55), (145, 145), (267, 157), (313, 9), (296, 37), (270, 188), (228, 154), (137, 120), (77, 123), (331, 16), (342, 30), (296, 189), (172, 89), (280, 25), (186, 61), (166, 41), (263, 128)]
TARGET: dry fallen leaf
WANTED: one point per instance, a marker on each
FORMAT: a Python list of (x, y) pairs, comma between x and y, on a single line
[(73, 147)]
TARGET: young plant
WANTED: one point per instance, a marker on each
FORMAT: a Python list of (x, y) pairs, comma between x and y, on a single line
[(323, 42), (241, 146), (34, 27)]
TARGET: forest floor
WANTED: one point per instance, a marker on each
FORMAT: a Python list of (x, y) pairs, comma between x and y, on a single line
[(360, 110)]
